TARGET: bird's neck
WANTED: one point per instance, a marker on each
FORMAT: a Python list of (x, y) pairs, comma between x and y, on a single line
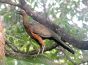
[(25, 21)]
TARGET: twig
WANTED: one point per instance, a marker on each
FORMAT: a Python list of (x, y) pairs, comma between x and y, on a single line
[(9, 2)]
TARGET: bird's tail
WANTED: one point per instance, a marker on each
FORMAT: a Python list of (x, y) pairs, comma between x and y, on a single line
[(58, 39)]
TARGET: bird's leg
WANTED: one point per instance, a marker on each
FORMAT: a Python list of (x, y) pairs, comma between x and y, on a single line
[(39, 50), (42, 47)]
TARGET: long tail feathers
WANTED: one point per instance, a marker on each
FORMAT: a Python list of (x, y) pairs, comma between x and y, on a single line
[(58, 38)]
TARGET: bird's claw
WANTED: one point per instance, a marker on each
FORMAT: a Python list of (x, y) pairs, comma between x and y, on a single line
[(41, 50)]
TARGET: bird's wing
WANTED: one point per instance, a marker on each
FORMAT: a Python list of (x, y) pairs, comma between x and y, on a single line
[(41, 30)]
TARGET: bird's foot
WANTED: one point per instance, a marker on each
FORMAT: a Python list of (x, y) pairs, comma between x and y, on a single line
[(41, 50)]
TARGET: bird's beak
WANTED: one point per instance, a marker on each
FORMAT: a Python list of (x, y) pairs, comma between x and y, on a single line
[(19, 12)]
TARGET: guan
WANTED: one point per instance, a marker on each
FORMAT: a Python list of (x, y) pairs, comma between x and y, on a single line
[(38, 31)]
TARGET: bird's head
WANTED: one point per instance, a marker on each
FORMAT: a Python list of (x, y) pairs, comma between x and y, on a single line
[(21, 12)]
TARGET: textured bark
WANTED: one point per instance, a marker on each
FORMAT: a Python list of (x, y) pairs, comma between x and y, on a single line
[(2, 43)]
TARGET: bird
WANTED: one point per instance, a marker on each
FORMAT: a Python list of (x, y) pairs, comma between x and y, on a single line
[(38, 31)]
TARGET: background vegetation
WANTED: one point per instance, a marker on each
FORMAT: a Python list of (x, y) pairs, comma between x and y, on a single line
[(69, 14)]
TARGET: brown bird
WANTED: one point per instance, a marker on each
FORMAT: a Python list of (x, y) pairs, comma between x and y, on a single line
[(39, 31)]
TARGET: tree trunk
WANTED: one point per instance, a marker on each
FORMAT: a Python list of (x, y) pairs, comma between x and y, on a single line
[(2, 43)]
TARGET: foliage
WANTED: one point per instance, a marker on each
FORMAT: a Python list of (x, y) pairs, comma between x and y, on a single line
[(64, 13)]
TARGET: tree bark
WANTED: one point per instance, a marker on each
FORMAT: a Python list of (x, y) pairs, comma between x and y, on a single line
[(2, 43)]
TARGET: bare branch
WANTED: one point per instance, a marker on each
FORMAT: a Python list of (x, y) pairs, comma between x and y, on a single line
[(12, 46), (9, 2), (15, 49)]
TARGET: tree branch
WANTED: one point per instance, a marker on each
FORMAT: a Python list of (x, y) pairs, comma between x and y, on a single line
[(13, 47), (9, 2), (16, 50)]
